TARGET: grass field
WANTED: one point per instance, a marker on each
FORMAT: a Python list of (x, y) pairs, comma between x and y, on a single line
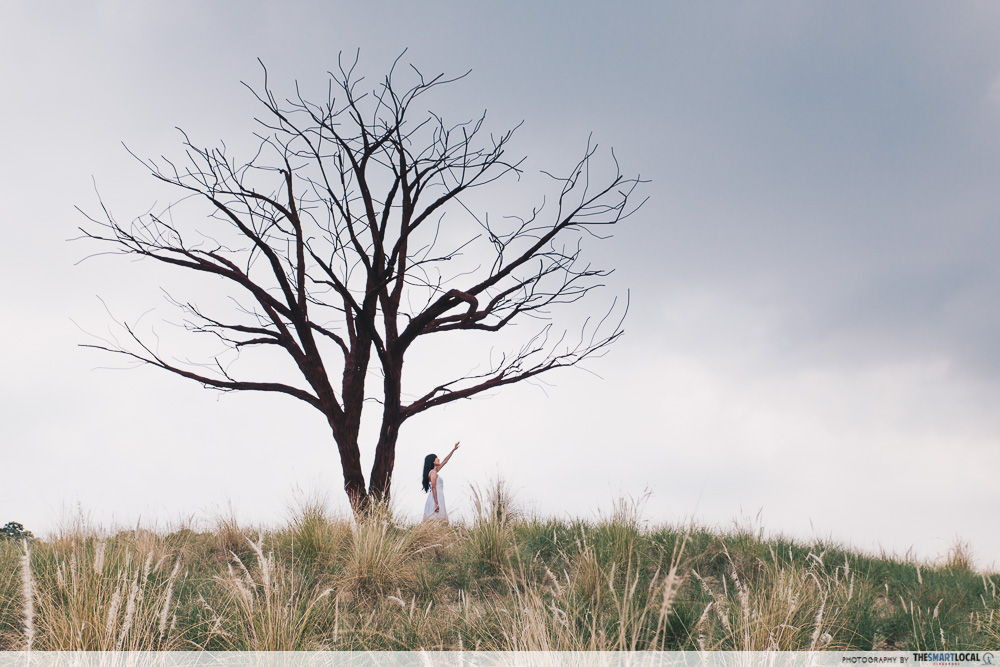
[(503, 582)]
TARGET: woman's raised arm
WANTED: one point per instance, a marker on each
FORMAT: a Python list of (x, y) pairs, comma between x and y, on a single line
[(449, 454)]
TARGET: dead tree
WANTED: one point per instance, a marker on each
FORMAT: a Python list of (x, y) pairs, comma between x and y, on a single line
[(332, 232)]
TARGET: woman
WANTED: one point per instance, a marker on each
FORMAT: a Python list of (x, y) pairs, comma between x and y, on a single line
[(433, 483)]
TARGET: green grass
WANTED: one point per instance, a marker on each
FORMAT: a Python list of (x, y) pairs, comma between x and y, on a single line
[(505, 582)]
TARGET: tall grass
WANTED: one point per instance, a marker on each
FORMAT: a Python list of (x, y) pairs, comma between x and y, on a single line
[(490, 540), (504, 582), (780, 604), (266, 606), (100, 595), (379, 554)]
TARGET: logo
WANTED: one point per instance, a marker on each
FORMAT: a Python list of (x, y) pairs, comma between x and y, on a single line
[(954, 658)]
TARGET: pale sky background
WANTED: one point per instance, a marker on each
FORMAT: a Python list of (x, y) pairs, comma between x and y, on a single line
[(814, 326)]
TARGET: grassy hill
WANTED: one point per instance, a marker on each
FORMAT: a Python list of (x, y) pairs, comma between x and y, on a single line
[(501, 583)]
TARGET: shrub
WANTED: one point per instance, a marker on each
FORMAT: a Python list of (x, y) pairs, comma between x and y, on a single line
[(14, 531)]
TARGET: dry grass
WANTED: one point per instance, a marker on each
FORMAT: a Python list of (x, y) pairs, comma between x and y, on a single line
[(490, 538), (380, 556), (316, 537), (799, 607), (100, 595), (960, 557), (600, 609), (266, 606), (505, 582)]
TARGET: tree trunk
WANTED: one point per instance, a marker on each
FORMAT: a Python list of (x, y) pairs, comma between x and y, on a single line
[(385, 458), (353, 398), (380, 482), (350, 463)]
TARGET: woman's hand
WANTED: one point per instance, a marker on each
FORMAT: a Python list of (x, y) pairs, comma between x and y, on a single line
[(456, 445), (437, 508)]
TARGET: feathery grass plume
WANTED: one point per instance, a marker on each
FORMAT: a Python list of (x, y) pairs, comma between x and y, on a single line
[(631, 613), (790, 604), (113, 608), (269, 606), (99, 556), (28, 595), (130, 605), (636, 607), (168, 598), (101, 594), (927, 629)]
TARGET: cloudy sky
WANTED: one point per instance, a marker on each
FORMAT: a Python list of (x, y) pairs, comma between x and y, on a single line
[(812, 344)]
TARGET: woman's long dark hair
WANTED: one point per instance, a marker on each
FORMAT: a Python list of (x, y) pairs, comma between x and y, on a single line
[(428, 466)]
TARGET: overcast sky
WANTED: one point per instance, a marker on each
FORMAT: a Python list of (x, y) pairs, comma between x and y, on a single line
[(814, 324)]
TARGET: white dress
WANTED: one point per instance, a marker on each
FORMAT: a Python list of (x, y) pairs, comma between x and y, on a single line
[(429, 504)]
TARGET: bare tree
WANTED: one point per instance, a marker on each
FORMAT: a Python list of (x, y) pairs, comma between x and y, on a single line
[(335, 238)]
